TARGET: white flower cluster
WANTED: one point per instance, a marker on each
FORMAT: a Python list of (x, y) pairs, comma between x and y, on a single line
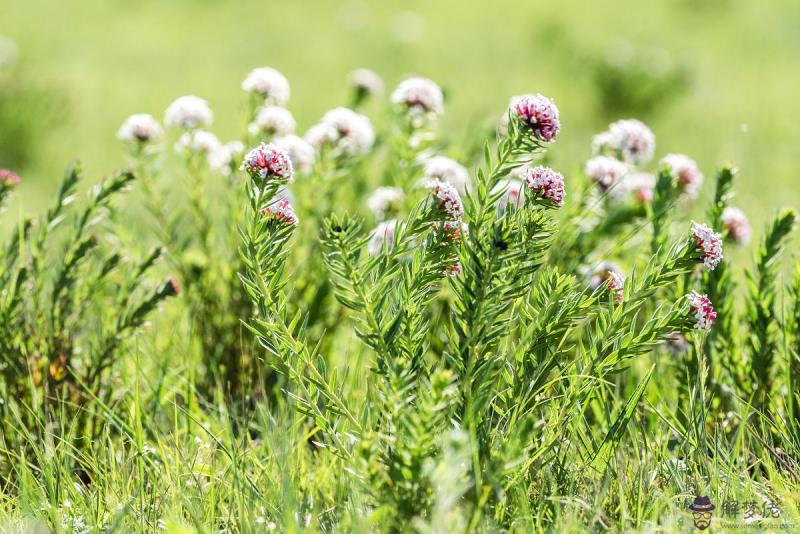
[(605, 171), (736, 225), (385, 200), (300, 152), (269, 84), (188, 112), (382, 235), (446, 170), (419, 96), (274, 121), (686, 171), (345, 131), (366, 81), (709, 243), (629, 140), (140, 128)]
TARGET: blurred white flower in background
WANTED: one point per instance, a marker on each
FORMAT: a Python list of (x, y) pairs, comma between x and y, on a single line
[(273, 121), (268, 83), (188, 112)]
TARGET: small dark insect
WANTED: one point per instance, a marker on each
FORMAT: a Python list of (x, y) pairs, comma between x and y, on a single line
[(501, 245), (337, 229)]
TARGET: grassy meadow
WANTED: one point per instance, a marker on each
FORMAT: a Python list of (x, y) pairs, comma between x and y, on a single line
[(423, 316)]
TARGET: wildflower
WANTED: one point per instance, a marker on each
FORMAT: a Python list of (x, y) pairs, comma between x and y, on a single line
[(269, 84), (174, 287), (454, 269), (736, 225), (8, 178), (605, 171), (540, 114), (629, 140), (385, 200), (447, 198), (686, 171), (280, 210), (676, 343), (348, 132), (638, 185), (272, 121), (452, 230), (140, 128), (610, 275), (188, 112), (268, 160), (382, 234), (199, 142), (513, 192), (300, 152), (420, 96), (226, 158), (366, 83), (446, 170), (709, 243), (547, 183), (702, 310)]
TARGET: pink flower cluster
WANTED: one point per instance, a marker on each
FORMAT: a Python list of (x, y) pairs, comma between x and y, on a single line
[(547, 183), (281, 210), (736, 225), (420, 95), (8, 177), (709, 243), (702, 310), (610, 275), (448, 199), (540, 114), (687, 172), (605, 171), (268, 160), (630, 140)]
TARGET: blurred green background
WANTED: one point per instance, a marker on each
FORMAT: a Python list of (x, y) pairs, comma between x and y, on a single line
[(716, 79)]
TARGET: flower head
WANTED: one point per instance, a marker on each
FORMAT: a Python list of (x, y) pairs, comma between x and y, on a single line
[(199, 142), (446, 170), (452, 231), (629, 140), (609, 275), (140, 128), (273, 121), (539, 113), (383, 233), (188, 112), (8, 178), (300, 152), (676, 343), (420, 96), (227, 157), (268, 160), (686, 171), (547, 183), (447, 198), (454, 269), (268, 83), (513, 191), (605, 171), (366, 82), (736, 224), (385, 200), (637, 185), (280, 210), (348, 132), (702, 311), (709, 243)]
